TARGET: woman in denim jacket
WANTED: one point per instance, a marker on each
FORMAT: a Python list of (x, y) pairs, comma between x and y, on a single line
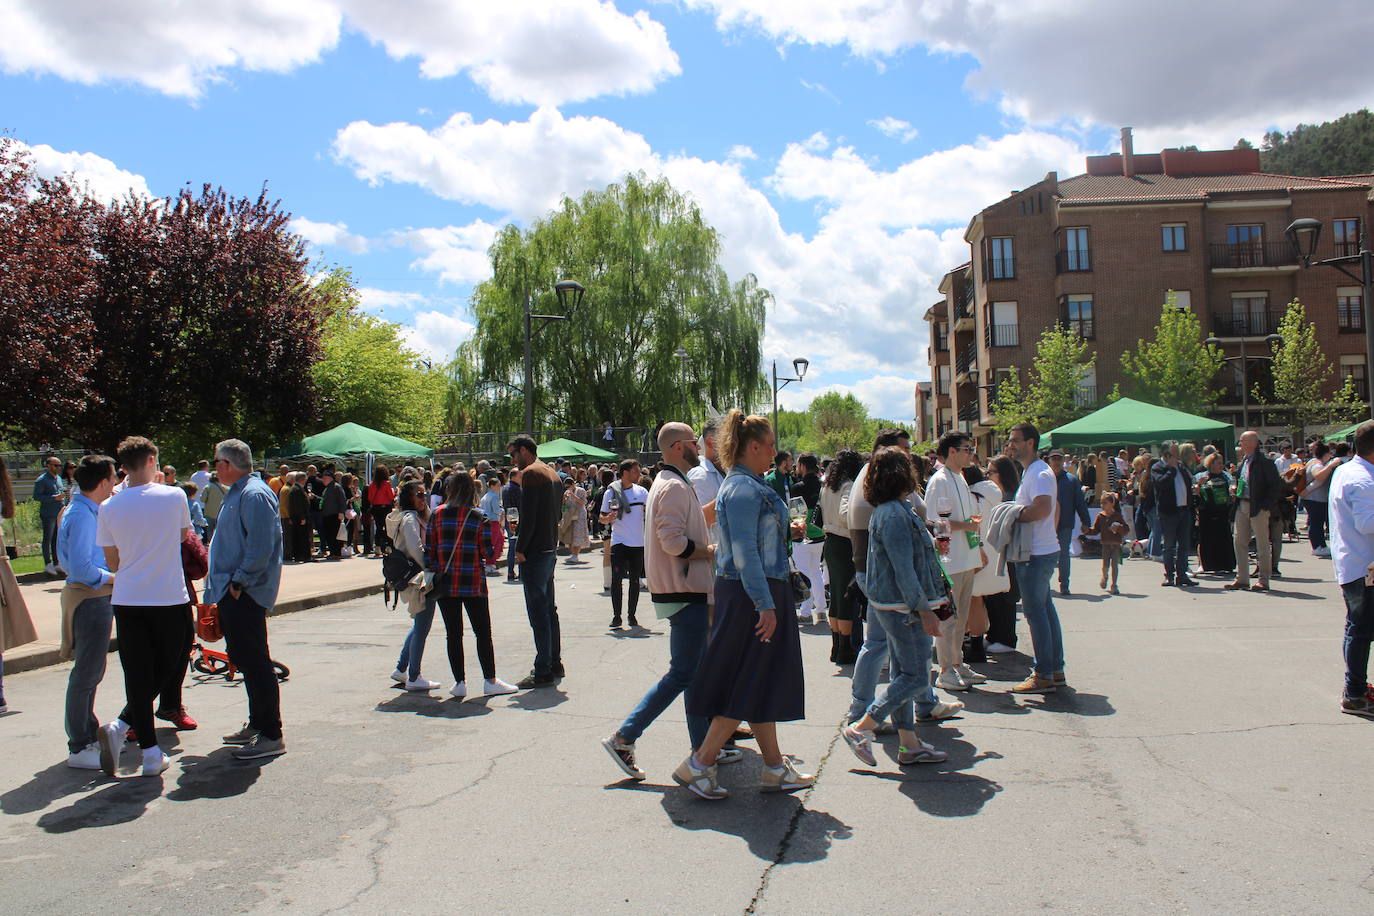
[(904, 584), (752, 670)]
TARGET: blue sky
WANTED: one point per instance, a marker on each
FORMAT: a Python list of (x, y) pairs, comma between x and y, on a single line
[(840, 147)]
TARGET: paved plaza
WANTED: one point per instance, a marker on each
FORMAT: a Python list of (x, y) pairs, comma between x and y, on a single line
[(1198, 765)]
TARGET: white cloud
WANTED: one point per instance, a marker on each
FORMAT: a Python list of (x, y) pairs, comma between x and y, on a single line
[(328, 235), (740, 152), (895, 128), (1103, 61), (519, 167), (545, 52), (539, 51), (436, 335), (890, 397), (379, 301), (458, 254), (171, 48), (822, 89), (101, 177)]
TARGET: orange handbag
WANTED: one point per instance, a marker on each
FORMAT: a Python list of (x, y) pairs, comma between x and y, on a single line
[(207, 619)]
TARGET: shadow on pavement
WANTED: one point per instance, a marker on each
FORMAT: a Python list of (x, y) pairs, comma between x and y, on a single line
[(633, 633), (760, 820), (1066, 699), (433, 707), (120, 802), (47, 786), (976, 700), (943, 789), (215, 775), (535, 700)]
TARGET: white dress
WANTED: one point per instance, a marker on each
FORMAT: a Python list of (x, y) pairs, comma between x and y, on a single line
[(987, 581)]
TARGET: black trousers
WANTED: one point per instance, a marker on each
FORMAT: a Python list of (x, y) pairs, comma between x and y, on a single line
[(169, 699), (244, 623), (479, 613), (1002, 612), (300, 540), (329, 535), (625, 561), (150, 641)]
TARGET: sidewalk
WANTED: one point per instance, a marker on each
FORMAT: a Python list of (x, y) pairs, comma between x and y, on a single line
[(303, 585)]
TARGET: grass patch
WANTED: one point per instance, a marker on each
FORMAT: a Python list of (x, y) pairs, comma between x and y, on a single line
[(24, 565)]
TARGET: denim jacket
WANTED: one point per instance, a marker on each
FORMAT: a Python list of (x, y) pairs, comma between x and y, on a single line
[(753, 534), (246, 547), (903, 568)]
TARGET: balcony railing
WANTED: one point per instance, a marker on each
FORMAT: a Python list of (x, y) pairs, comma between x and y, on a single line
[(1346, 249), (969, 411), (940, 343), (967, 298), (1246, 324), (1002, 335), (1074, 261), (1251, 254), (967, 359), (1361, 388), (1085, 396), (1001, 269)]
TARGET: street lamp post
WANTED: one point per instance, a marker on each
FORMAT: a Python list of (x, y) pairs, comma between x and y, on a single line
[(799, 366), (1303, 235), (1244, 359), (563, 288)]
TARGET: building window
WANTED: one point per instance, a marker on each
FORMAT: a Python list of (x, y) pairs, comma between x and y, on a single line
[(1249, 316), (1076, 314), (1086, 395), (1000, 325), (1001, 259), (1346, 235), (942, 381), (1353, 367), (1175, 237), (940, 339), (1077, 255), (1349, 310), (1182, 299)]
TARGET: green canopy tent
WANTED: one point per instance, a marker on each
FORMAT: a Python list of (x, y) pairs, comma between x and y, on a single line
[(1343, 434), (1130, 422), (567, 448), (349, 440)]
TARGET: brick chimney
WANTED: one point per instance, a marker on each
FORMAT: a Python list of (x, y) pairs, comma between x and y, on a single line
[(1127, 153)]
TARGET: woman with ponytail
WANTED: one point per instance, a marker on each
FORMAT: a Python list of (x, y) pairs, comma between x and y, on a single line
[(752, 670)]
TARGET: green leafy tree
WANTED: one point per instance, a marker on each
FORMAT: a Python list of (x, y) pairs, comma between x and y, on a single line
[(1344, 146), (650, 264), (837, 421), (1174, 369), (367, 374), (1300, 372), (1049, 398)]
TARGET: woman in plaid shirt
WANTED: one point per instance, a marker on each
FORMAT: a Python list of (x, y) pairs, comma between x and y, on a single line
[(457, 548)]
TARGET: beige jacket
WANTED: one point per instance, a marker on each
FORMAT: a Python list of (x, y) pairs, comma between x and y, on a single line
[(674, 528)]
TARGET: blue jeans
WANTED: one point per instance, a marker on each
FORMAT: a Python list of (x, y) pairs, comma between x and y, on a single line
[(686, 646), (908, 689), (536, 577), (49, 539), (1359, 632), (1065, 543), (1047, 639), (91, 625), (867, 667), (1155, 544), (1175, 530), (1317, 512), (413, 648)]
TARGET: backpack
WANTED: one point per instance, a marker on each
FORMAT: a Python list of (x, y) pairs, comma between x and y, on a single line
[(398, 571)]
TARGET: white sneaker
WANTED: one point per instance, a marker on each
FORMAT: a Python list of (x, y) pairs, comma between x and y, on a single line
[(155, 763), (497, 687), (951, 680), (398, 676), (459, 690), (1322, 552), (88, 758), (422, 684), (110, 737), (50, 569), (997, 648), (970, 676)]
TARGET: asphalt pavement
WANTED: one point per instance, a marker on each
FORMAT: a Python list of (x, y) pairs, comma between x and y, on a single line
[(1198, 764)]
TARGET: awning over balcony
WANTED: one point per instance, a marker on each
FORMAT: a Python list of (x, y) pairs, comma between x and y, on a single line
[(1128, 422)]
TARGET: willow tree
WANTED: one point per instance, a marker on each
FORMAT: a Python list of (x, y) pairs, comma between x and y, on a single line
[(650, 265)]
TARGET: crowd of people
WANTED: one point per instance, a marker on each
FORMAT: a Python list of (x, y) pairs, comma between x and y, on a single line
[(917, 563)]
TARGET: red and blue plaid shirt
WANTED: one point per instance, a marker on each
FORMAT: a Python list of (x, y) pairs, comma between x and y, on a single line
[(457, 546)]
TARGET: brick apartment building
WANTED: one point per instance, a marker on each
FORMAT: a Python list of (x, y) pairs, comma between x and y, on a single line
[(1100, 253)]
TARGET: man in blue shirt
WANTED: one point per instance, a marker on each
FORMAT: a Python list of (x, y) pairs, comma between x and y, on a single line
[(1352, 559), (245, 573), (1073, 507), (87, 614), (50, 493)]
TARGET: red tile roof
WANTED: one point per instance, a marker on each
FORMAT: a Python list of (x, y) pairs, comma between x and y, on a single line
[(1100, 189)]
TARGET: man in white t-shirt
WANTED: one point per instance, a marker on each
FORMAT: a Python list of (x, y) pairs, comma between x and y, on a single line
[(623, 509), (141, 529), (201, 477), (706, 478), (948, 496), (1038, 497)]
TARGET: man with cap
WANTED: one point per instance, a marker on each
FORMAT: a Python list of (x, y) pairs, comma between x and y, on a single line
[(678, 560), (1073, 508)]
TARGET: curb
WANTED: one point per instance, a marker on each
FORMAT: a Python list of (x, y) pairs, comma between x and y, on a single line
[(18, 660)]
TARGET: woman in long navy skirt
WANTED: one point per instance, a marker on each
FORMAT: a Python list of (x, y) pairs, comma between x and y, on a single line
[(752, 671)]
